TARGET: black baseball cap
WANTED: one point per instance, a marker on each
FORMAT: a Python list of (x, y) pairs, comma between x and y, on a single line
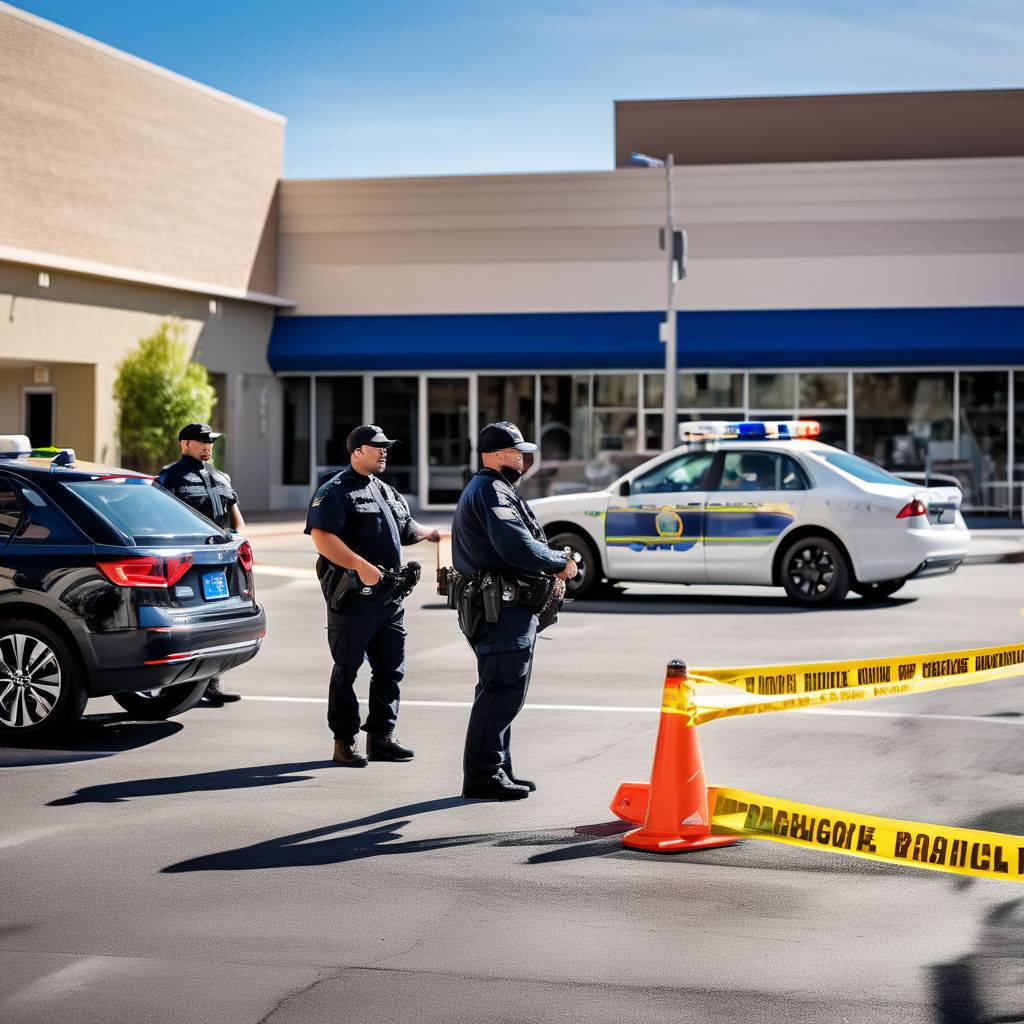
[(198, 432), (368, 433), (496, 436)]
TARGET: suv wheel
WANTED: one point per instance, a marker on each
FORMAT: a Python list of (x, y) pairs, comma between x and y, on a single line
[(165, 703), (587, 581), (41, 686), (814, 572), (878, 591)]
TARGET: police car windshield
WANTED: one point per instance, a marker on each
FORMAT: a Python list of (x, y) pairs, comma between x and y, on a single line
[(146, 514), (862, 469)]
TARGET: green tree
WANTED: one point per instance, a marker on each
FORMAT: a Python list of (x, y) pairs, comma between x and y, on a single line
[(158, 390)]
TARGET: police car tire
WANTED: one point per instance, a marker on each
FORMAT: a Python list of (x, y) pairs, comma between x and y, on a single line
[(830, 561), (877, 591), (170, 701), (590, 575), (71, 697)]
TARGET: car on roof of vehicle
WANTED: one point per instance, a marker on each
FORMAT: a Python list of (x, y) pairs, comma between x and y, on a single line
[(764, 504), (109, 585)]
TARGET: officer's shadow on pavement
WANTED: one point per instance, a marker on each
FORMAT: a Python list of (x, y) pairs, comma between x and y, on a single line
[(252, 777), (380, 834), (986, 986), (95, 736)]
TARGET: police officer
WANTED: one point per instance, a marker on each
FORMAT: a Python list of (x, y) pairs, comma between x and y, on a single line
[(495, 532), (197, 483), (359, 523)]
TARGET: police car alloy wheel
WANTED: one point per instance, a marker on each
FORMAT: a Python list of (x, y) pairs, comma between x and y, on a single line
[(814, 571), (40, 681)]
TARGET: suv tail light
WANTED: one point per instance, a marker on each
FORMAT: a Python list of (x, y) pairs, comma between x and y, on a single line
[(245, 555), (146, 571), (912, 508)]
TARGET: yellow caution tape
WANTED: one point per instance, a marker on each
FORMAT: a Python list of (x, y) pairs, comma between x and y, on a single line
[(960, 851), (787, 687)]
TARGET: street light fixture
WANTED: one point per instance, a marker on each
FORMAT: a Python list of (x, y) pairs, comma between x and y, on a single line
[(674, 244)]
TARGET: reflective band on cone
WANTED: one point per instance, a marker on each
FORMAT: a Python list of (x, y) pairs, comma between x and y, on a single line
[(676, 817)]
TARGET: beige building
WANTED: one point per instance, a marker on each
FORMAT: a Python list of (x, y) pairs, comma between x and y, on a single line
[(129, 194), (858, 259)]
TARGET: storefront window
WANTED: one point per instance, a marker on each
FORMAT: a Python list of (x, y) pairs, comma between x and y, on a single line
[(984, 403), (823, 391), (697, 391), (395, 410), (1018, 440), (615, 389), (564, 434), (773, 390), (447, 438), (904, 421), (507, 398), (295, 439), (339, 410)]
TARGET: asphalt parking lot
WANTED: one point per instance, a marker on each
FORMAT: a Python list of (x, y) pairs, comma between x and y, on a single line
[(219, 868)]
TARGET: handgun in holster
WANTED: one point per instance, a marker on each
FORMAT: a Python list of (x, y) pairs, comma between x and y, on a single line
[(490, 595), (336, 582)]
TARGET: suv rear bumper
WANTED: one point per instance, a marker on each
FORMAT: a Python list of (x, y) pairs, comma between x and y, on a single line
[(148, 658)]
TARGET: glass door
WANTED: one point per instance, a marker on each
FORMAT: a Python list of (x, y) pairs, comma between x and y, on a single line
[(449, 457)]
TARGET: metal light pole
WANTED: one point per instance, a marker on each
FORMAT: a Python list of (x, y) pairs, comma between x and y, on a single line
[(669, 437)]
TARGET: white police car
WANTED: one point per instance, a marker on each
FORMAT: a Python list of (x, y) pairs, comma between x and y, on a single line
[(763, 504)]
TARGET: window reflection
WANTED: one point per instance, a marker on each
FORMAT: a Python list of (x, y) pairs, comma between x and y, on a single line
[(904, 421), (984, 436), (339, 410), (295, 432)]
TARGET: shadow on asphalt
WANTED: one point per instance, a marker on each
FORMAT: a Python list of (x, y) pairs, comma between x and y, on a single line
[(668, 604), (95, 736), (382, 836), (986, 986), (201, 782)]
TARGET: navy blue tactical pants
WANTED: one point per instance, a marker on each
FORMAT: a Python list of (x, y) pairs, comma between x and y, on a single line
[(504, 658), (365, 629)]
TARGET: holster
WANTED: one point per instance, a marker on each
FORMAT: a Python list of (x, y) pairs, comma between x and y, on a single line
[(464, 597), (335, 582)]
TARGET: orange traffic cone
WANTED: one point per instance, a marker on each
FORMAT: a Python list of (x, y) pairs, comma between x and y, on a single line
[(674, 807)]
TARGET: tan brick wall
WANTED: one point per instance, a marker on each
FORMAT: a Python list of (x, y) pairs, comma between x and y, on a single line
[(106, 159)]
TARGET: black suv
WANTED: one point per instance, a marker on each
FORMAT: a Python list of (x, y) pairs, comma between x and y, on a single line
[(111, 586)]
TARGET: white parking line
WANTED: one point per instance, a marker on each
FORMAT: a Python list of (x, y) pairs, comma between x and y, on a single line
[(628, 710)]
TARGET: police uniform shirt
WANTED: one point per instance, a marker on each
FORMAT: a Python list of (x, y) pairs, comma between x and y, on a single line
[(494, 529), (202, 487), (349, 505)]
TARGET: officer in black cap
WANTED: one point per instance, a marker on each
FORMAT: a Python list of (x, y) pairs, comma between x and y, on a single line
[(358, 523), (196, 482), (496, 534)]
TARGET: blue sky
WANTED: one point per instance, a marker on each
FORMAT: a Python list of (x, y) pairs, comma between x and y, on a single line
[(451, 87)]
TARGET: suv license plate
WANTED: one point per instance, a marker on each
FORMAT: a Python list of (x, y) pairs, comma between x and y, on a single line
[(215, 585)]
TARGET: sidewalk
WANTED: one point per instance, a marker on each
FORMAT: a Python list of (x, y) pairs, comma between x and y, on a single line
[(987, 546), (993, 546)]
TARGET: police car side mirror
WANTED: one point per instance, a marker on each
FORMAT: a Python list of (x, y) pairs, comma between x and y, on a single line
[(624, 489)]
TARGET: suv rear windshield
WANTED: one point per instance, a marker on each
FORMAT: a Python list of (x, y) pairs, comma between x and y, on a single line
[(146, 514), (862, 469)]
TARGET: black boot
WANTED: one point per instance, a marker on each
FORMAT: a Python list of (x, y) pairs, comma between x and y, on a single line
[(216, 696), (498, 787), (386, 748), (347, 755), (513, 778)]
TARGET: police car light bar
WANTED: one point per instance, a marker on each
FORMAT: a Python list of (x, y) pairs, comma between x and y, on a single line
[(752, 430)]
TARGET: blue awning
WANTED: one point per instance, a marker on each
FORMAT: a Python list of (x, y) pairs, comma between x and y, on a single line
[(840, 338)]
